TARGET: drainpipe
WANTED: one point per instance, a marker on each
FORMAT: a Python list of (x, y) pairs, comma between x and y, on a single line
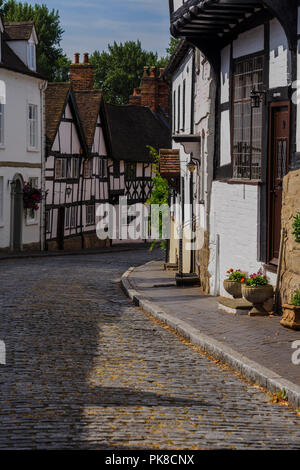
[(43, 87)]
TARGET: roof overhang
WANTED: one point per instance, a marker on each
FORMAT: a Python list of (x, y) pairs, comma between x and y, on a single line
[(220, 21)]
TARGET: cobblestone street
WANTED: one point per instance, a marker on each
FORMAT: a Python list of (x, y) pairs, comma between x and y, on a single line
[(86, 370)]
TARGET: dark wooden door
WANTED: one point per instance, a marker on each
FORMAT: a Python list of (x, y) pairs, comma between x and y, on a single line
[(61, 228), (279, 160)]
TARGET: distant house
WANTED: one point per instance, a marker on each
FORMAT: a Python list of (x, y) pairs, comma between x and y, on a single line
[(96, 152), (132, 128), (77, 165), (21, 137)]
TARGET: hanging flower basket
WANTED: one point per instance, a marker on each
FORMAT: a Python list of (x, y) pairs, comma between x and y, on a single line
[(32, 197)]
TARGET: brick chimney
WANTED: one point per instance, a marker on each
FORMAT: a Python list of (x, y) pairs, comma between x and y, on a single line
[(152, 92), (82, 75)]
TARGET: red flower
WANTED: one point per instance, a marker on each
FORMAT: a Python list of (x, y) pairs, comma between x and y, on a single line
[(243, 280)]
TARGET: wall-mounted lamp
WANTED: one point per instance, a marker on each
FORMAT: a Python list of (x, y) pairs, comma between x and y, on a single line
[(256, 97), (191, 166)]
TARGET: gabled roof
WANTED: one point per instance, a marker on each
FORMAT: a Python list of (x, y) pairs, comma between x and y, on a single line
[(12, 62), (88, 104), (132, 128), (19, 31), (56, 97)]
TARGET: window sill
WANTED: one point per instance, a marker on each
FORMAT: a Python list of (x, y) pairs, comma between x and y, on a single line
[(33, 150), (244, 181), (271, 268), (29, 223), (2, 147)]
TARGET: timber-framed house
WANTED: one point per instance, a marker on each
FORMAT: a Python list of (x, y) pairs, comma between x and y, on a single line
[(252, 47)]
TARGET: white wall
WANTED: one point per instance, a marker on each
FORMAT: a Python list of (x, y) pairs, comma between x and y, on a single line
[(278, 55), (249, 42), (21, 90), (185, 72), (234, 218)]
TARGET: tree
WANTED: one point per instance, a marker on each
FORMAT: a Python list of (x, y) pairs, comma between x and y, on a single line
[(159, 196), (51, 60), (119, 71), (172, 46)]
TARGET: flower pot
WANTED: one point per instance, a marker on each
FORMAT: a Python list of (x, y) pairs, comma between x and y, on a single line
[(257, 296), (291, 316), (233, 288)]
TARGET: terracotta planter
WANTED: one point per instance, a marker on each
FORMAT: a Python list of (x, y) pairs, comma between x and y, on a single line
[(257, 296), (291, 316), (233, 288)]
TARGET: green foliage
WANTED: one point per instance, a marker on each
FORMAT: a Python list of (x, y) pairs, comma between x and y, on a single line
[(296, 227), (51, 60), (160, 192), (172, 46), (296, 298), (236, 275), (119, 71), (257, 280)]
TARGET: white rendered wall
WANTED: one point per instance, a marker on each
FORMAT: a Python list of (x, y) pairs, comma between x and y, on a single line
[(20, 90), (185, 72), (278, 55), (249, 42)]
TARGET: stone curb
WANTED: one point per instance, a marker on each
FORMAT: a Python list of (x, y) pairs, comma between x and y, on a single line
[(249, 369)]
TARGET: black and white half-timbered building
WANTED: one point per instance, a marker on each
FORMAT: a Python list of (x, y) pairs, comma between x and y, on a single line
[(96, 153), (253, 49)]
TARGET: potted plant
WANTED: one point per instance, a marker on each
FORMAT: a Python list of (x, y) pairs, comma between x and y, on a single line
[(233, 283), (291, 312), (257, 291)]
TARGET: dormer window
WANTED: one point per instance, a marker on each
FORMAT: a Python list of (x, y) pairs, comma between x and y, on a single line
[(31, 56)]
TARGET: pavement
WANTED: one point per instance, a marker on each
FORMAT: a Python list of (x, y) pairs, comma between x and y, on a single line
[(86, 369), (259, 348)]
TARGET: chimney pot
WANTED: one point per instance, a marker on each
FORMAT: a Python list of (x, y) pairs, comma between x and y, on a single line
[(77, 57), (86, 58), (153, 72)]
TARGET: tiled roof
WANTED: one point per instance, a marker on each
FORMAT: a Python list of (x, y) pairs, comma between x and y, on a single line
[(88, 104), (169, 162), (56, 98), (132, 128), (18, 31)]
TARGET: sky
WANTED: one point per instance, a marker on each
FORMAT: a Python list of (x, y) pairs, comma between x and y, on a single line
[(90, 25)]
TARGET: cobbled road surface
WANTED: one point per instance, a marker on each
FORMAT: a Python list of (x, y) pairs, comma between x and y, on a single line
[(86, 370)]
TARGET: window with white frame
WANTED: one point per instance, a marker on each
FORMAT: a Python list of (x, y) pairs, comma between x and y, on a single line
[(90, 214), (71, 217), (1, 199), (31, 56), (32, 126), (1, 124), (103, 167)]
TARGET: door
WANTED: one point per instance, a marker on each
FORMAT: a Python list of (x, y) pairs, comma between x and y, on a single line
[(278, 168), (17, 215), (61, 227)]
